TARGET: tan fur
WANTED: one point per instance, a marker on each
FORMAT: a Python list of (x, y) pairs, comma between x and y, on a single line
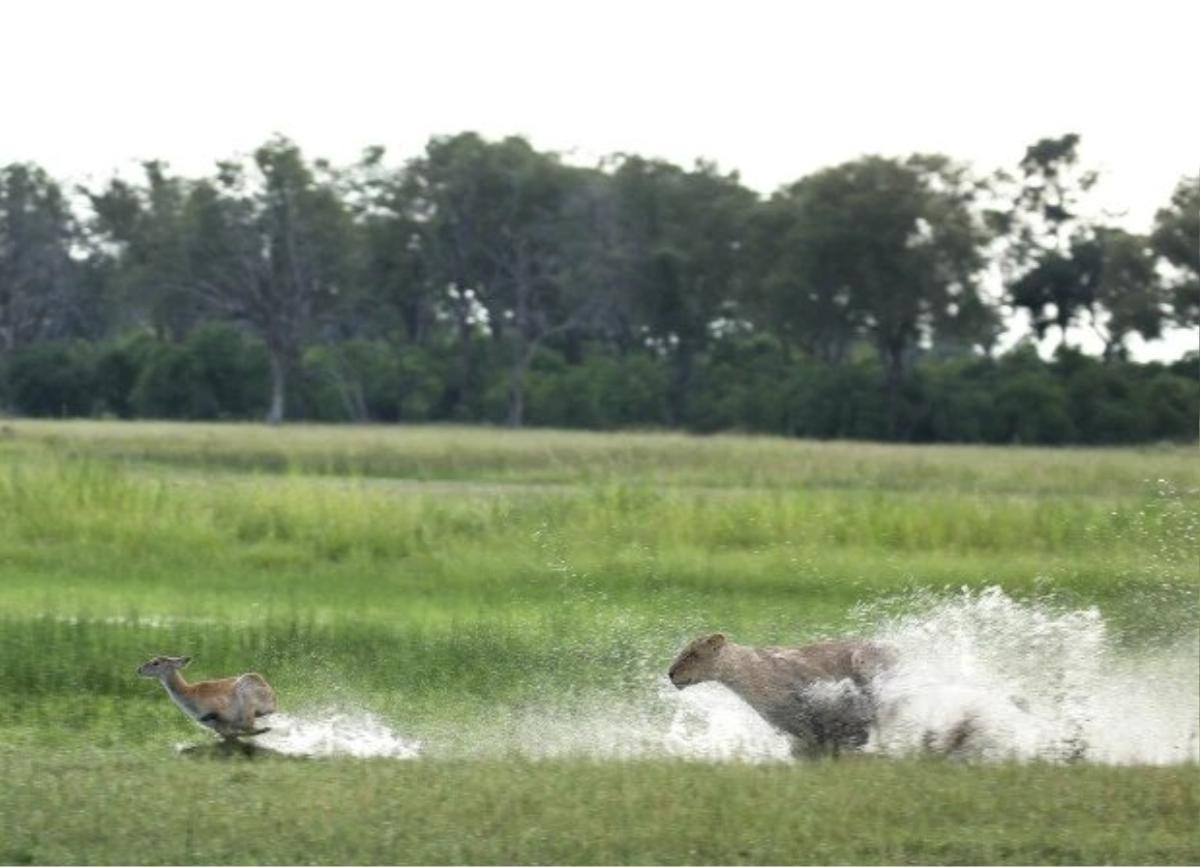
[(229, 706), (819, 694)]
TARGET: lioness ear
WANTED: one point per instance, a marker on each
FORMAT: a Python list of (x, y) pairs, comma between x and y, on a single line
[(716, 640)]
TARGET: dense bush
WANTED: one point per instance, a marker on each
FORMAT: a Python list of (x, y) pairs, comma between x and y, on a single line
[(605, 392), (53, 379), (118, 368), (218, 372), (743, 383), (232, 366), (370, 380)]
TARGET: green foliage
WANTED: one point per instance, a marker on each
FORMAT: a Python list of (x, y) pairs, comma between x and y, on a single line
[(53, 379), (1176, 228), (371, 380), (742, 382), (218, 372), (1031, 406), (40, 279), (233, 365), (603, 393), (118, 367), (489, 281), (172, 385)]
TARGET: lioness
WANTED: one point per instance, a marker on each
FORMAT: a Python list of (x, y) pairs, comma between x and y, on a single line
[(819, 694)]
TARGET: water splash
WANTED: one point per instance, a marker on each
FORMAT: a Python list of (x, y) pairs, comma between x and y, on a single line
[(981, 676), (336, 733), (711, 723), (992, 677), (706, 722)]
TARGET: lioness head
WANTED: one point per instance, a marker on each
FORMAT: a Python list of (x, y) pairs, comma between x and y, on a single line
[(696, 663)]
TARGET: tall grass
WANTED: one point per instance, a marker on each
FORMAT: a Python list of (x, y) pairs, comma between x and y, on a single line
[(446, 576), (482, 455), (91, 536), (500, 594)]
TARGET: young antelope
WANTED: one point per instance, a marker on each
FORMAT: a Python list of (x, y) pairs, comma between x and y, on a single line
[(229, 706)]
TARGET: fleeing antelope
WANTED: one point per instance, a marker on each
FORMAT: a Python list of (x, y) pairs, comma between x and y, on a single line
[(228, 706)]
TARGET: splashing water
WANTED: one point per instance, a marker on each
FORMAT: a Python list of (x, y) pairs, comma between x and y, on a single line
[(336, 733), (994, 678), (706, 722), (980, 676), (712, 723)]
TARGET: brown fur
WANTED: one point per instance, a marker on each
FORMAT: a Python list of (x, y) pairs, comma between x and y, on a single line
[(819, 694), (229, 706)]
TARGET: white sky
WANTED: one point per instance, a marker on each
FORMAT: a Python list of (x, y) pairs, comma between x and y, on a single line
[(772, 89)]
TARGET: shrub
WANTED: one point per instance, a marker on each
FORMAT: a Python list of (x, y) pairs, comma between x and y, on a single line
[(233, 367), (172, 385), (53, 379), (118, 367)]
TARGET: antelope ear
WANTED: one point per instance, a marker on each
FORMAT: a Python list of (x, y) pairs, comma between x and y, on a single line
[(183, 660)]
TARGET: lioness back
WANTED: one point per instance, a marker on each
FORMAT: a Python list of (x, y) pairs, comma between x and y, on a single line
[(831, 660)]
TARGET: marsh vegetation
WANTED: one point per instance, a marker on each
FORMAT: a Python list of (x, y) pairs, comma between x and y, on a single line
[(501, 607)]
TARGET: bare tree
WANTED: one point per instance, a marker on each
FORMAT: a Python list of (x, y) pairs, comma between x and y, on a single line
[(267, 253)]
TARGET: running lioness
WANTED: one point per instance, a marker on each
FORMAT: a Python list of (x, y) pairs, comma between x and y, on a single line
[(821, 695)]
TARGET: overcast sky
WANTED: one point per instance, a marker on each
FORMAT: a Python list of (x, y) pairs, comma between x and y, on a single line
[(774, 90)]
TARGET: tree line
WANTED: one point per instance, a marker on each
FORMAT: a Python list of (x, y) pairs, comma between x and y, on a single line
[(489, 281)]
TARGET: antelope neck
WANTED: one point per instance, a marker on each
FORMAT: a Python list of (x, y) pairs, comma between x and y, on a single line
[(175, 683)]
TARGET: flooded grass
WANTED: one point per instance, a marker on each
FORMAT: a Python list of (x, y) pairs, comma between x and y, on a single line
[(489, 615)]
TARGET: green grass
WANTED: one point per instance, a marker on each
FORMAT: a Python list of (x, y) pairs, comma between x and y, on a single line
[(451, 579), (165, 811), (488, 457)]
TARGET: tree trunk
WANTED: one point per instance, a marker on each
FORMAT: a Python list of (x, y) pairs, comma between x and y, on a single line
[(895, 377), (466, 370), (681, 383), (278, 361), (523, 287), (516, 385)]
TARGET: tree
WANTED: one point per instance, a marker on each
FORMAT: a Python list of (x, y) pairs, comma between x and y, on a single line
[(1059, 288), (143, 232), (893, 248), (1176, 238), (391, 273), (682, 241), (270, 250), (1052, 259), (1128, 289), (39, 278), (796, 282), (494, 220)]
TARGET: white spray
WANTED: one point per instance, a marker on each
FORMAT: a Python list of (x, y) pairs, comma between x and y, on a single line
[(981, 676), (991, 677)]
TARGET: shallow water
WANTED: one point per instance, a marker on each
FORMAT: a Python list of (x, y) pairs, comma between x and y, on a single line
[(1032, 680), (981, 676), (334, 733)]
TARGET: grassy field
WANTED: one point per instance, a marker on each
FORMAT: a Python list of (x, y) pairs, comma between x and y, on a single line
[(511, 600)]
